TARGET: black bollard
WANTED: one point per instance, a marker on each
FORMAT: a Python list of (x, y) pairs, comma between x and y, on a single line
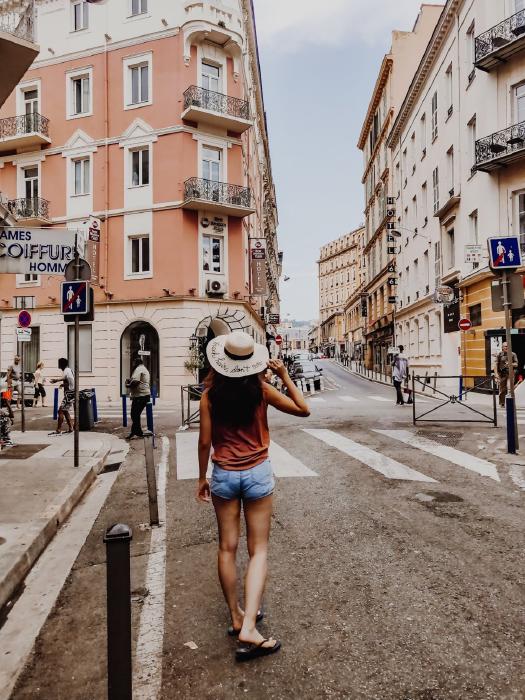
[(117, 539)]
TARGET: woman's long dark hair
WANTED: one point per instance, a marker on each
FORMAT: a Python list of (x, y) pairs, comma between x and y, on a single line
[(234, 400)]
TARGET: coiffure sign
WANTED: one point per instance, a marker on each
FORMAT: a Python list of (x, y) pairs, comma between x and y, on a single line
[(37, 250)]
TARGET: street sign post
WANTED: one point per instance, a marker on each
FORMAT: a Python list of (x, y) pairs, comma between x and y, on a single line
[(504, 253), (465, 324), (75, 297), (23, 335)]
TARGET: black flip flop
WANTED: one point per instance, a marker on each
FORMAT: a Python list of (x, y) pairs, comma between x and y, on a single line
[(254, 651), (235, 633)]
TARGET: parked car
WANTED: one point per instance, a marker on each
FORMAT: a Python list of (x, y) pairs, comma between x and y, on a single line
[(29, 387), (306, 370), (302, 357)]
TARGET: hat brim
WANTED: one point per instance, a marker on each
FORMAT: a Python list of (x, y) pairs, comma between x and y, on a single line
[(225, 365)]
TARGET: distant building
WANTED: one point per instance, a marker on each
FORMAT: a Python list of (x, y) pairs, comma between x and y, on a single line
[(295, 338), (339, 267)]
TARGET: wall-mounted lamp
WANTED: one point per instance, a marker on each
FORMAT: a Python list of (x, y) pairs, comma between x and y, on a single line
[(52, 299), (164, 21), (192, 292), (109, 295)]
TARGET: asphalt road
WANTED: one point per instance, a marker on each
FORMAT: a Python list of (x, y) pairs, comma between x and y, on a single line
[(396, 567)]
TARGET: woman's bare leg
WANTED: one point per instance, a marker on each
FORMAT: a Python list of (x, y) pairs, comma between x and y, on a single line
[(228, 520), (258, 516)]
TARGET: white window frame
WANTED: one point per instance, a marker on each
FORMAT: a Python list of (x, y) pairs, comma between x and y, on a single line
[(86, 187), (515, 108), (84, 15), (128, 256), (130, 62), (71, 76), (435, 129), (21, 281), (214, 64), (139, 149), (435, 188), (82, 345), (141, 12)]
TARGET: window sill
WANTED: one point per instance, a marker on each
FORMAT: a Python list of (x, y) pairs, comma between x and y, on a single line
[(80, 116), (138, 187), (138, 105), (139, 15), (81, 194), (138, 276), (79, 31)]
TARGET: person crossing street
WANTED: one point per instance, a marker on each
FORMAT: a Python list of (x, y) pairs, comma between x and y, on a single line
[(502, 371), (140, 392), (400, 375)]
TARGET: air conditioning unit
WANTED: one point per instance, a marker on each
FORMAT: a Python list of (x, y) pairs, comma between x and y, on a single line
[(215, 287)]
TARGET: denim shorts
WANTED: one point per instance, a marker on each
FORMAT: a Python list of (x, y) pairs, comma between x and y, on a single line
[(250, 484)]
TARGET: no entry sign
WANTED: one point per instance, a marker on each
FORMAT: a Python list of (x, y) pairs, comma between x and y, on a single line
[(465, 324), (279, 339)]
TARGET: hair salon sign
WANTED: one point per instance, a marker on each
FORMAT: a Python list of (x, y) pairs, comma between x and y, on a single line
[(44, 251)]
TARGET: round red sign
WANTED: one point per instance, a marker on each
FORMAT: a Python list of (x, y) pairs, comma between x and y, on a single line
[(465, 324), (24, 319), (279, 339)]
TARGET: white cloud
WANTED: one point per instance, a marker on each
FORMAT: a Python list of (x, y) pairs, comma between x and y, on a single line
[(287, 25)]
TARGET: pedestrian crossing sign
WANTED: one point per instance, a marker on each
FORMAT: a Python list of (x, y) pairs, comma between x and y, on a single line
[(504, 252), (75, 297)]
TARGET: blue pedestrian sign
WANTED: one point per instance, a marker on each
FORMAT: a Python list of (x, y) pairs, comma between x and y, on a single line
[(75, 297), (504, 252)]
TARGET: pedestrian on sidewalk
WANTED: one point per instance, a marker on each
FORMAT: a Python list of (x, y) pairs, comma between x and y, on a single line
[(39, 384), (400, 375), (68, 385), (14, 374), (502, 371), (233, 419), (140, 393)]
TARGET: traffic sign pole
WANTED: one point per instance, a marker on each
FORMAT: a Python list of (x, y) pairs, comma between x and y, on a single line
[(510, 401), (22, 353), (76, 425)]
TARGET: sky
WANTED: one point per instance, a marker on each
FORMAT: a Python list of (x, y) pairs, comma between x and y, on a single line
[(319, 65)]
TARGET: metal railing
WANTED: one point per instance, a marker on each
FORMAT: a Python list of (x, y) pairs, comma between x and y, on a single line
[(24, 124), (444, 399), (502, 34), (500, 143), (19, 23), (221, 192), (29, 208), (216, 102)]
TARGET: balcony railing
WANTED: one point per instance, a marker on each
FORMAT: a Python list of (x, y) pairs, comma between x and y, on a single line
[(11, 127), (501, 147), (29, 208), (499, 39), (216, 102), (19, 23), (219, 192)]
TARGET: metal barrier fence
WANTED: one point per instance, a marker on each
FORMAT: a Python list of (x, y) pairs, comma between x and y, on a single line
[(458, 400), (189, 393)]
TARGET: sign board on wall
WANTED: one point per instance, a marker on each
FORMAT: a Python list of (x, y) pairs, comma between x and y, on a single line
[(92, 255), (473, 253), (258, 267), (37, 251)]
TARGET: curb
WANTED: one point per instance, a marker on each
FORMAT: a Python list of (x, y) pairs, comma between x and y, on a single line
[(53, 518)]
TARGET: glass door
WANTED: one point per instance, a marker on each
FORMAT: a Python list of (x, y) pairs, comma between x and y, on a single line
[(30, 204), (30, 109), (211, 77), (212, 170)]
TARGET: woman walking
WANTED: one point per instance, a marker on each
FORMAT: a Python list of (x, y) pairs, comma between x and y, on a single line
[(234, 421), (39, 384)]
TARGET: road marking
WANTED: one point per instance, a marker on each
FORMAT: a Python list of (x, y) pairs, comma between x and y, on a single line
[(316, 399), (44, 583), (284, 464), (375, 460), (348, 399), (380, 398), (147, 669), (450, 454)]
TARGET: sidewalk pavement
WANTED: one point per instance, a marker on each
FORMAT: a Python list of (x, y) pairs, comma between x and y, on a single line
[(40, 488)]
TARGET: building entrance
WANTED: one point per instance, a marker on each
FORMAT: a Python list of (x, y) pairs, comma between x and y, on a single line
[(140, 338)]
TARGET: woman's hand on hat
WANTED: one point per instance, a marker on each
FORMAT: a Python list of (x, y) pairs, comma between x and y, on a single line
[(277, 366), (203, 491)]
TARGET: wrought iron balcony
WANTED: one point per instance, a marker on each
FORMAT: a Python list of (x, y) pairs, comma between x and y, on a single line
[(220, 197), (30, 210), (24, 130), (17, 50), (500, 148), (494, 46), (214, 108), (19, 23)]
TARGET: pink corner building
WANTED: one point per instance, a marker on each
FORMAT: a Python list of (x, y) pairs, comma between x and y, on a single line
[(147, 117)]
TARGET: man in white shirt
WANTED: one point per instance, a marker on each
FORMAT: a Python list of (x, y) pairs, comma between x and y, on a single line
[(139, 390), (399, 374), (68, 384)]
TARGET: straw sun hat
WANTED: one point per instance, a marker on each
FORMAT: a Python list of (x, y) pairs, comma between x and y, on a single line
[(237, 355)]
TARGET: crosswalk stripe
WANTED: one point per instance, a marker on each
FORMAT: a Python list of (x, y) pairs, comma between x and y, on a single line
[(375, 460), (317, 399), (348, 399), (284, 464), (462, 459), (380, 398)]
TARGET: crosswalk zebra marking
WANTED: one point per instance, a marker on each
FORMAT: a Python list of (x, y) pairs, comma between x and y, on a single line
[(348, 399), (461, 459), (284, 464), (375, 460), (380, 398), (317, 399)]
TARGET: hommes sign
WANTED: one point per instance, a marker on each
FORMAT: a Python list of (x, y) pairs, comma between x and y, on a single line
[(36, 250)]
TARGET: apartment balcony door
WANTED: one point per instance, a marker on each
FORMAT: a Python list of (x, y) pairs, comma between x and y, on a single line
[(212, 169), (30, 109), (31, 183), (211, 77)]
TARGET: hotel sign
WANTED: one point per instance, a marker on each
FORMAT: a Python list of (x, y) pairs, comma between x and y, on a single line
[(36, 250), (258, 267)]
